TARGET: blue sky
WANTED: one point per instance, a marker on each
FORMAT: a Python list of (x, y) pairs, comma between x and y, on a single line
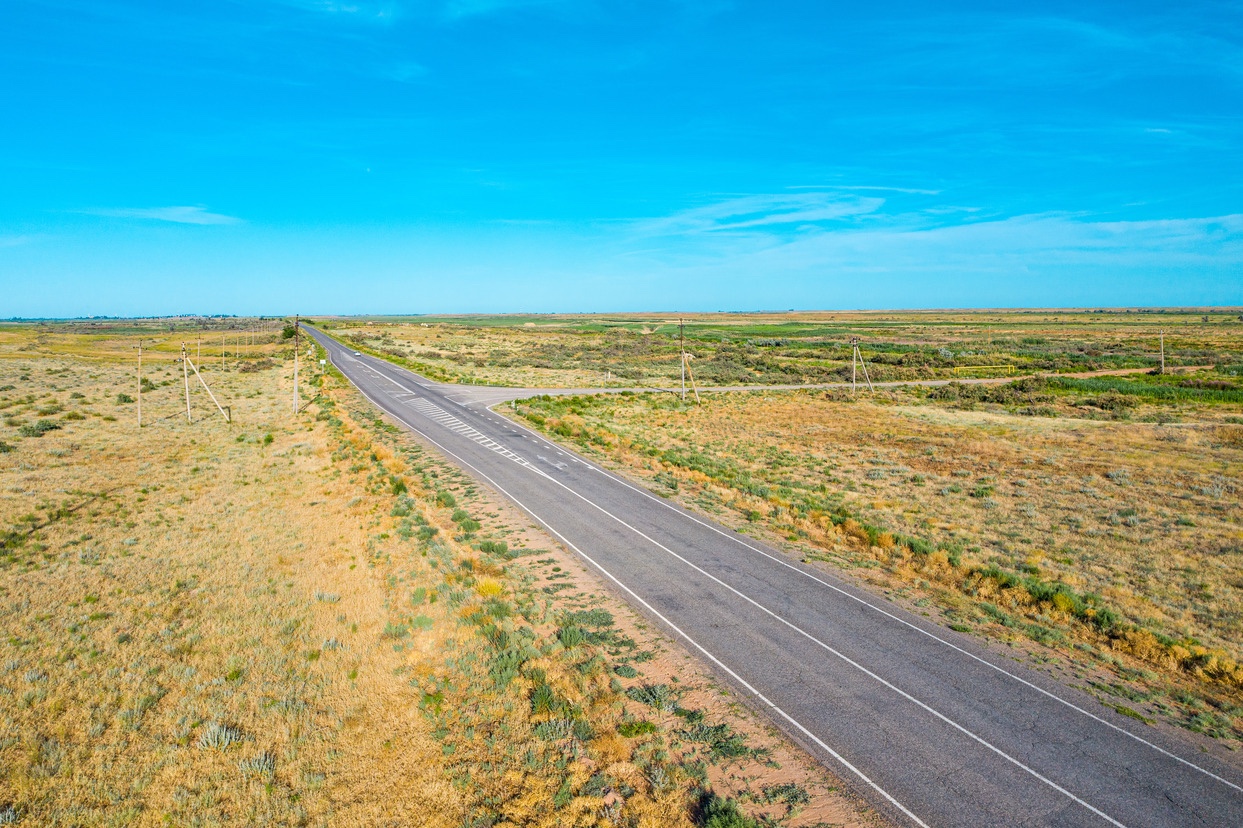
[(329, 156)]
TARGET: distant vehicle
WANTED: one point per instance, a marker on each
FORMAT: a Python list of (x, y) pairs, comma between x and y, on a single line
[(356, 353)]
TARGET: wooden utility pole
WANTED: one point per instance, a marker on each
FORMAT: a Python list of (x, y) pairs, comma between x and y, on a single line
[(856, 359), (682, 352), (295, 364), (687, 362), (854, 362), (185, 375), (139, 383), (1162, 352), (227, 412)]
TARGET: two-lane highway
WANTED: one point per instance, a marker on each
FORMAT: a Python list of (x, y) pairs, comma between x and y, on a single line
[(931, 727)]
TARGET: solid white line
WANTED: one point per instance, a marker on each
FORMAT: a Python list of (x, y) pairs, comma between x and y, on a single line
[(678, 630), (822, 644), (802, 729), (735, 537), (923, 705), (850, 661)]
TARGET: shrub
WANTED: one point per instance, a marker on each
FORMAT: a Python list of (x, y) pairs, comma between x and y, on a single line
[(786, 792), (262, 765), (219, 736), (39, 428), (637, 727), (124, 398), (722, 741), (251, 366), (571, 635), (545, 700), (656, 696), (392, 630), (715, 812), (554, 730), (494, 548)]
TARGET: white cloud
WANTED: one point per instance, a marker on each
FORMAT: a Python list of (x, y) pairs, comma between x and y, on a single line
[(177, 215), (383, 12), (1006, 248), (756, 211)]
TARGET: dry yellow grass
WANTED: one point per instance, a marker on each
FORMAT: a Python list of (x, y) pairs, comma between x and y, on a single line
[(1041, 528), (164, 581), (565, 351), (298, 622)]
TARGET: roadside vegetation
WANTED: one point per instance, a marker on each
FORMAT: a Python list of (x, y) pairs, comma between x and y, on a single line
[(315, 621), (790, 349), (1094, 522), (1085, 511)]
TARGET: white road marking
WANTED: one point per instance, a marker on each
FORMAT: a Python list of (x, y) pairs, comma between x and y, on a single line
[(743, 682), (734, 537), (828, 648), (812, 638), (979, 739), (435, 412)]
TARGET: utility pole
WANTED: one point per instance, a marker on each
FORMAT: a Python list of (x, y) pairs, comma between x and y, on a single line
[(185, 375), (856, 359), (1162, 352), (224, 352), (228, 413), (682, 352), (295, 364), (140, 383), (854, 353)]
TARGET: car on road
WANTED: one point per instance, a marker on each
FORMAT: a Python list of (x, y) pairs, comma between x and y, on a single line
[(356, 353)]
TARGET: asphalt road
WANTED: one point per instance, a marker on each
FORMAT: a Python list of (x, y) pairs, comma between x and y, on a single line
[(930, 726)]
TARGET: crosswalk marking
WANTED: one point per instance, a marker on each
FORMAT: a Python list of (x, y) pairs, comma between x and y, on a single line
[(438, 414)]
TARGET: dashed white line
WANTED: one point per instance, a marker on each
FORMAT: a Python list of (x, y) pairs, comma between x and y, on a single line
[(828, 648), (1053, 696), (794, 627)]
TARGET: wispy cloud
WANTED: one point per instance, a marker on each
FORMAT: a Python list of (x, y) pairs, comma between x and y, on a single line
[(1005, 248), (761, 211), (384, 12), (446, 10), (851, 188), (177, 215)]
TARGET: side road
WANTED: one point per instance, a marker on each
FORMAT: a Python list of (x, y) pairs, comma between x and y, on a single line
[(933, 727)]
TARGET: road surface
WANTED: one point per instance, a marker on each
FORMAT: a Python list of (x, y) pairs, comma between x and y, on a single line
[(932, 727)]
